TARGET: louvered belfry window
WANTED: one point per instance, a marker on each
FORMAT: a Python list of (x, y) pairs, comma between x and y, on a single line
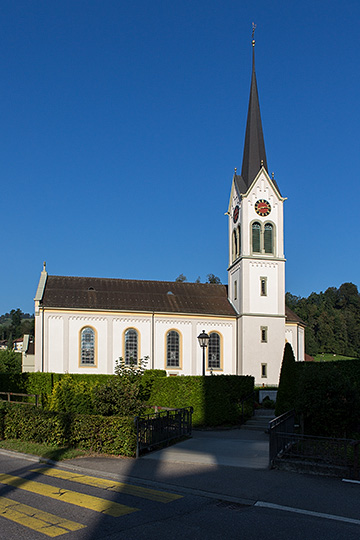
[(268, 238), (256, 235), (131, 347), (87, 347), (214, 351), (173, 349)]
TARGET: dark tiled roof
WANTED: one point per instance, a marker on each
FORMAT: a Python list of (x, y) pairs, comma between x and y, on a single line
[(136, 295), (291, 317)]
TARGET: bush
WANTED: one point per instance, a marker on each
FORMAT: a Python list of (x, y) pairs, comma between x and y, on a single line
[(328, 400), (147, 381), (115, 435), (10, 361), (286, 396), (121, 395), (71, 395), (215, 400)]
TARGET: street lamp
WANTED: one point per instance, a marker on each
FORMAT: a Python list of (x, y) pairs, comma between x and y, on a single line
[(203, 342)]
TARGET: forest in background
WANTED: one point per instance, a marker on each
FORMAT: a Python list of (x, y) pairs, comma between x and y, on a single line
[(332, 320), (15, 324)]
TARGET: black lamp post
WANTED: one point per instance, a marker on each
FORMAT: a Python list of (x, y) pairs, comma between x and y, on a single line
[(203, 342)]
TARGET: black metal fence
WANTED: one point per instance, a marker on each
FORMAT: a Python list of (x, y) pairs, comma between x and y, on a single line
[(283, 424), (334, 454), (161, 427)]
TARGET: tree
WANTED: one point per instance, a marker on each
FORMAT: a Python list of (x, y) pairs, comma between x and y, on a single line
[(10, 361), (181, 278), (121, 395), (332, 319), (285, 400), (211, 278)]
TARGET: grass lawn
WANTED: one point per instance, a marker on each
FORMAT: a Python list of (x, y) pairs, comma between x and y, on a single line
[(328, 357), (56, 453)]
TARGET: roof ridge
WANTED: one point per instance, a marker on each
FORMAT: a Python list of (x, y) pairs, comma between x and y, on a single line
[(178, 283)]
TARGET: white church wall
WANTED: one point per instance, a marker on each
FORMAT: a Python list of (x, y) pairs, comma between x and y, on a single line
[(295, 335), (62, 344), (55, 343), (262, 359)]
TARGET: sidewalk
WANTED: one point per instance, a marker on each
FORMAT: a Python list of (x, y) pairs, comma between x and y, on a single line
[(223, 465), (234, 447)]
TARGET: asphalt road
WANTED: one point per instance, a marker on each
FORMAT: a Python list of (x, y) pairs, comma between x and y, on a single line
[(86, 499)]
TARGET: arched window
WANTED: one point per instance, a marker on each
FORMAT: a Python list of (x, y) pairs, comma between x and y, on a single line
[(214, 351), (173, 349), (268, 238), (256, 236), (87, 344), (235, 245), (239, 241), (131, 347)]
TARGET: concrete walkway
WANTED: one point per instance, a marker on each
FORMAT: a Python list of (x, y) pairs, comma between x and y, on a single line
[(234, 447)]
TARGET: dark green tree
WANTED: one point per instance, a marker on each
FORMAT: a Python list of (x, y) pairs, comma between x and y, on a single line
[(286, 396), (181, 278), (10, 361), (211, 278)]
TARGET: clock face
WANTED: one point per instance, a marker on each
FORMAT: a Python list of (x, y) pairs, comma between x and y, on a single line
[(236, 214), (262, 207)]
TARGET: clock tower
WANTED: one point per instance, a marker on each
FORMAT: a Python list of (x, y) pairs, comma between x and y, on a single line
[(256, 271)]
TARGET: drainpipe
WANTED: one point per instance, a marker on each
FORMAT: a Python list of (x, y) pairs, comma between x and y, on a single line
[(42, 339), (153, 340)]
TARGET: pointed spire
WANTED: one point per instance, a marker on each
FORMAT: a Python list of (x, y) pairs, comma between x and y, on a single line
[(254, 148)]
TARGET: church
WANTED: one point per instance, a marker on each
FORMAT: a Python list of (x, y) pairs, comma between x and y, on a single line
[(83, 325)]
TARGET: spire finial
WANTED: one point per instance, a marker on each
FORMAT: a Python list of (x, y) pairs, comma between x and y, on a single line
[(44, 266), (253, 33), (235, 170)]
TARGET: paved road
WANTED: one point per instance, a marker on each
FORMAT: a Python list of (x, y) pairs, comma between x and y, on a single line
[(119, 498)]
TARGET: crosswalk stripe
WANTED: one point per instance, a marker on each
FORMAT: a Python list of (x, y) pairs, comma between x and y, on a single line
[(72, 497), (37, 520), (110, 485)]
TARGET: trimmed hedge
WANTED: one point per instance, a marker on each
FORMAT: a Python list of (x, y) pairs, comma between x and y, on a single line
[(216, 400), (111, 435), (285, 399), (328, 397), (43, 384)]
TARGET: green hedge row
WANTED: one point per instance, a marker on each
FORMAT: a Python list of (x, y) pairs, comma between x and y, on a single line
[(327, 397), (43, 384), (216, 400), (111, 435)]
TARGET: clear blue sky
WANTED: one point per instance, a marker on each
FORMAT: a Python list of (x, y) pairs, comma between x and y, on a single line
[(122, 122)]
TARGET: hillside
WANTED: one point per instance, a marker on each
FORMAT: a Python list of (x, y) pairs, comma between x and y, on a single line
[(332, 318)]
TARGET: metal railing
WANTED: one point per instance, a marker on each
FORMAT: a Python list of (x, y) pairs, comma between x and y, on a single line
[(335, 453), (283, 424), (162, 427), (9, 395)]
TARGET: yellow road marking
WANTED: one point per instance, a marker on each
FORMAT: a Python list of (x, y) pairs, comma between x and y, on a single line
[(37, 520), (111, 485), (72, 497)]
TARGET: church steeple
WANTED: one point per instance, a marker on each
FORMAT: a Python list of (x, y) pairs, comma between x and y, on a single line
[(254, 149)]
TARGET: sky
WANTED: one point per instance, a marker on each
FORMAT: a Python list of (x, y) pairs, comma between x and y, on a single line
[(122, 123)]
